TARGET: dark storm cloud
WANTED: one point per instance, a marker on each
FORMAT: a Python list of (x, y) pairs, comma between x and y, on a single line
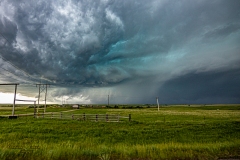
[(8, 29), (223, 31), (118, 46), (209, 87)]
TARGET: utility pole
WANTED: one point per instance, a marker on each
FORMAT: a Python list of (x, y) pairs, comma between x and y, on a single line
[(41, 88), (45, 99), (38, 96), (108, 100), (157, 103)]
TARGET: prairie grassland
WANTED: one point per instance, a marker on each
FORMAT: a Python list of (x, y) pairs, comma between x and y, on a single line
[(176, 132)]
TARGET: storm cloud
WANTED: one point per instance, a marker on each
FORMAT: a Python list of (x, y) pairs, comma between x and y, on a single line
[(131, 50)]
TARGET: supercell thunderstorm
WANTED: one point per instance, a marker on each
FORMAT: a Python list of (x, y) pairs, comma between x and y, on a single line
[(183, 51)]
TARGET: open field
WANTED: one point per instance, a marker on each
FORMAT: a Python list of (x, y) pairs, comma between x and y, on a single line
[(175, 132)]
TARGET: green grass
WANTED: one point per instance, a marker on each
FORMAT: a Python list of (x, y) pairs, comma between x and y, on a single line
[(175, 132)]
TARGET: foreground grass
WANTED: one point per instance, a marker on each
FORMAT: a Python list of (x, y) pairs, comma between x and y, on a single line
[(209, 132)]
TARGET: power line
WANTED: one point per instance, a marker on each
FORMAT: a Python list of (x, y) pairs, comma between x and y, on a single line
[(14, 66), (33, 79), (5, 38), (13, 74)]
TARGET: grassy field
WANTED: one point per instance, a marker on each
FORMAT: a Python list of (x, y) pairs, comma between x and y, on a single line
[(174, 132)]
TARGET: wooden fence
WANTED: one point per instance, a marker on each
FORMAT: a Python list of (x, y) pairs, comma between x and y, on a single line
[(18, 115), (85, 117)]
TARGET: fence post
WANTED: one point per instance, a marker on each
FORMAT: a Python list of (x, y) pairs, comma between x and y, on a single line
[(61, 115), (72, 116), (35, 112), (130, 117), (107, 117), (96, 117), (84, 116), (43, 115), (118, 117), (52, 115)]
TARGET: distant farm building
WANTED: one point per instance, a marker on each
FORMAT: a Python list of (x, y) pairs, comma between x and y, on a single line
[(75, 106)]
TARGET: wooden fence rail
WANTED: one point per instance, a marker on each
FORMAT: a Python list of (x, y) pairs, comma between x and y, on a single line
[(85, 117)]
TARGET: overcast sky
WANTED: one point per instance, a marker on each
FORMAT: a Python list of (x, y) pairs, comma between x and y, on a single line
[(181, 51)]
